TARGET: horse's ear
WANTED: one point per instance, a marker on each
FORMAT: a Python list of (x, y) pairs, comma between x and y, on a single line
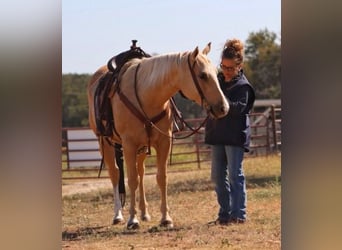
[(194, 53), (206, 50)]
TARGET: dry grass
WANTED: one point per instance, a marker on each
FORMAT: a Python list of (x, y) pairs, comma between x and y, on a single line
[(87, 217)]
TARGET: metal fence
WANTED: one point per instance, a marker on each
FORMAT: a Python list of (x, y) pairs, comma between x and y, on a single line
[(80, 150)]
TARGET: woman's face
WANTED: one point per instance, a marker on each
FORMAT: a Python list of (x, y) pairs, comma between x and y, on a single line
[(229, 69)]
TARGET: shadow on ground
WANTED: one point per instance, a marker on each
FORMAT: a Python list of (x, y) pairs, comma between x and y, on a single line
[(109, 231)]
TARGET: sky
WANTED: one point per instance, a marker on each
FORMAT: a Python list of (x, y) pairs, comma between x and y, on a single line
[(95, 30)]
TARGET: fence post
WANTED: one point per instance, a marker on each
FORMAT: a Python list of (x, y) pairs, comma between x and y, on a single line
[(274, 129), (197, 150), (67, 149), (268, 144)]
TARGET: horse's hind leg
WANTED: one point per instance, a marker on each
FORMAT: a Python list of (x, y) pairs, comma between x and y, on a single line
[(109, 159), (143, 205)]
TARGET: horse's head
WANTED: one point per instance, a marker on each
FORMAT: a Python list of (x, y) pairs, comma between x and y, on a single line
[(203, 86)]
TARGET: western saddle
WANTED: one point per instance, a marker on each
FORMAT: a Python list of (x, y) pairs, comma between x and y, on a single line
[(103, 109)]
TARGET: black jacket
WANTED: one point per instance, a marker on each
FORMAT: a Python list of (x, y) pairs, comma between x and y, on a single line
[(234, 128)]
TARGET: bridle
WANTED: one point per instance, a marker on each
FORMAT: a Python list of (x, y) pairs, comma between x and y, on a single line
[(176, 112), (194, 78), (198, 87)]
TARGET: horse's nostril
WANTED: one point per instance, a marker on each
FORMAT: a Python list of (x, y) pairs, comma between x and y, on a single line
[(223, 109)]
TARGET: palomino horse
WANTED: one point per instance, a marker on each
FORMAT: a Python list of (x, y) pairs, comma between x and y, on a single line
[(145, 87)]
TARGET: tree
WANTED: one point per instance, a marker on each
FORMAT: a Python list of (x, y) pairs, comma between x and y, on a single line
[(262, 64), (74, 100)]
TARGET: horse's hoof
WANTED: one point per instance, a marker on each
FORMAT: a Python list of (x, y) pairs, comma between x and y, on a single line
[(133, 223), (167, 224), (146, 217), (117, 221), (133, 226)]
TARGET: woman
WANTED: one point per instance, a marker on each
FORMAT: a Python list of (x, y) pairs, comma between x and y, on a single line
[(230, 136)]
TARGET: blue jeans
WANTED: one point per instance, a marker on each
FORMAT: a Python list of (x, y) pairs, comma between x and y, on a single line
[(229, 180)]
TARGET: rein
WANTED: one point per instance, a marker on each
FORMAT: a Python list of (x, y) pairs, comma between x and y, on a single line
[(176, 112), (179, 116)]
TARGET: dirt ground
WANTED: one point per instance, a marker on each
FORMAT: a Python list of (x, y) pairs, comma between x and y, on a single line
[(88, 210), (85, 186)]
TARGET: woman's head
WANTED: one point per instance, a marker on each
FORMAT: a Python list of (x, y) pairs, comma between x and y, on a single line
[(231, 59)]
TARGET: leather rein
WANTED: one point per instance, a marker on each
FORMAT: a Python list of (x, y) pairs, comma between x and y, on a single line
[(149, 123)]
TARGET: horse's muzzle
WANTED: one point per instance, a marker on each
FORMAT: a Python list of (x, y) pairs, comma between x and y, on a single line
[(219, 110)]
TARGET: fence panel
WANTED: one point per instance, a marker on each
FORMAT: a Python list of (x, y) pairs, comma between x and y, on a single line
[(276, 127), (80, 151)]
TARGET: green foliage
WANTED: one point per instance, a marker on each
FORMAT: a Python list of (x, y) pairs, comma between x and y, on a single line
[(262, 64), (74, 100)]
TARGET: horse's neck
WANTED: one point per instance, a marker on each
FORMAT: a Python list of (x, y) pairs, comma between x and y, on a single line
[(161, 80)]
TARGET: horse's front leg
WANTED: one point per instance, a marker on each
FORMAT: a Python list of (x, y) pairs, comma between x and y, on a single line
[(162, 152), (108, 153), (129, 152), (143, 205)]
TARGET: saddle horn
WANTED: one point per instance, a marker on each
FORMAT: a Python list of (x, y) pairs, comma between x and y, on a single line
[(134, 44)]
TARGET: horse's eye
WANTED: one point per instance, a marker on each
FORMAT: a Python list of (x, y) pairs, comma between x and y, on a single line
[(203, 76)]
